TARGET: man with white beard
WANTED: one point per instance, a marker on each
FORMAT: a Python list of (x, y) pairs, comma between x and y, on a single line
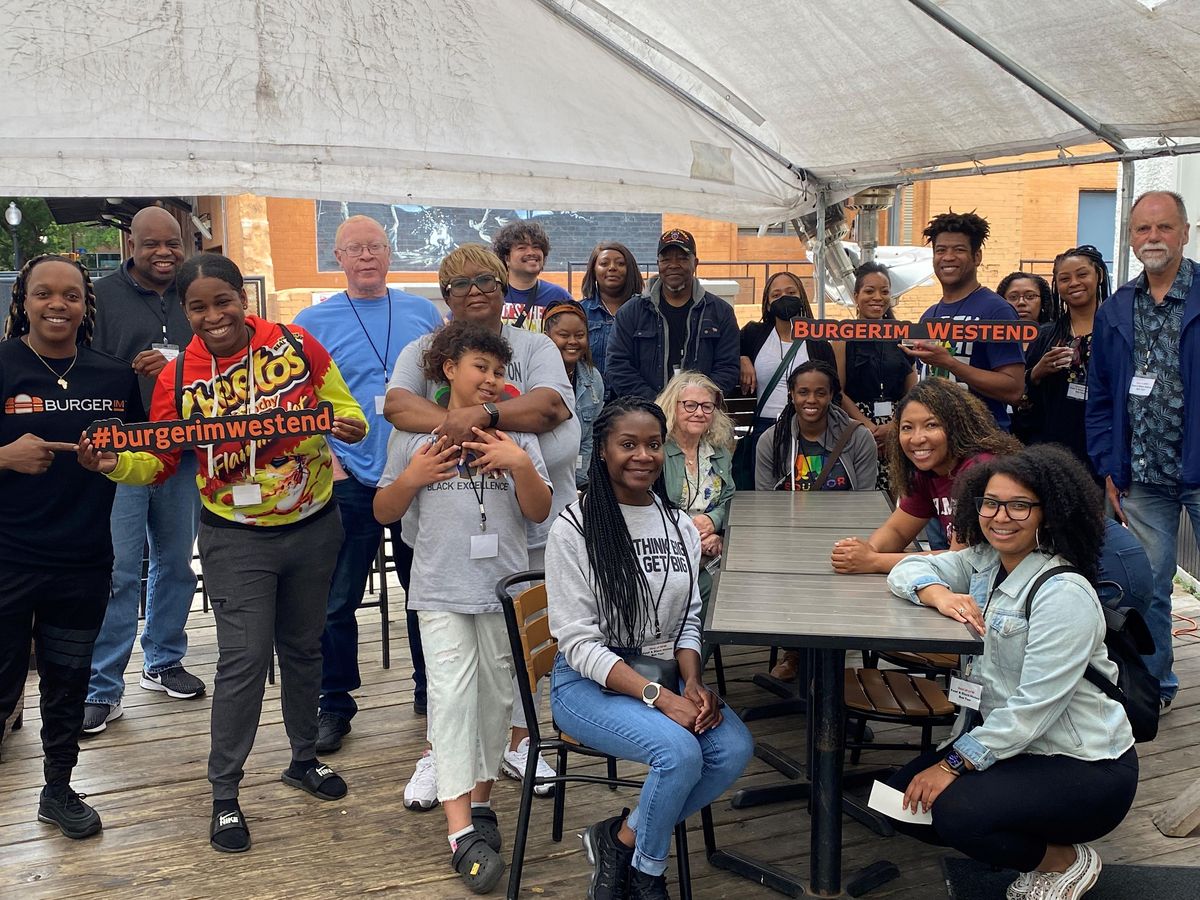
[(1143, 376)]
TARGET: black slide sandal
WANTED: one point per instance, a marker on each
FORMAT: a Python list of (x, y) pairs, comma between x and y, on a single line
[(229, 820), (314, 782)]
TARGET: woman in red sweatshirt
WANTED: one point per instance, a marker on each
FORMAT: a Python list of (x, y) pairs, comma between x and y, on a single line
[(269, 535)]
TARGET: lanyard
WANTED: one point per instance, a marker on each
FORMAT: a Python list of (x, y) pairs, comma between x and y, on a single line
[(478, 496), (687, 481), (1169, 313), (251, 400), (529, 304), (387, 347), (666, 574)]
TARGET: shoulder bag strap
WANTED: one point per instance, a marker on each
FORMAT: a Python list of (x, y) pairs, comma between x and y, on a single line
[(776, 376), (831, 460), (520, 322)]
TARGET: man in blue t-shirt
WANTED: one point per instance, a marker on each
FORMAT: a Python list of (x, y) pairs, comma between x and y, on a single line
[(993, 372), (364, 328), (523, 247)]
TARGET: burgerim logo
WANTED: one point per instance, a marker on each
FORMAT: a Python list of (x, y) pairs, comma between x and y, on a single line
[(23, 403)]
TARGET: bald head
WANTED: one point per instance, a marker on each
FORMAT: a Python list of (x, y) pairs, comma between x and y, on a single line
[(156, 248), (362, 250)]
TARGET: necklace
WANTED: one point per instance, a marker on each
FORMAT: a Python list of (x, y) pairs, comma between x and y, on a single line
[(61, 379)]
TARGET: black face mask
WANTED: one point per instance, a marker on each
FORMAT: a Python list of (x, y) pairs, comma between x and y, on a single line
[(787, 307)]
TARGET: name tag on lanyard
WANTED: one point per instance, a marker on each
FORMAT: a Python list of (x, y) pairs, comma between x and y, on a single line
[(1142, 385)]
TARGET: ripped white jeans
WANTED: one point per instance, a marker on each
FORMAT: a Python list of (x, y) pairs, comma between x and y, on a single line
[(469, 667)]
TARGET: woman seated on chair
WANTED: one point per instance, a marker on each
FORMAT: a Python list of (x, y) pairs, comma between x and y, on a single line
[(942, 432), (698, 470), (1047, 762), (621, 588), (814, 445)]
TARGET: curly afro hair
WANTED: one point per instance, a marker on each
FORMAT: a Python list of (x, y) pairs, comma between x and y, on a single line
[(454, 339), (974, 226), (969, 427), (1072, 506)]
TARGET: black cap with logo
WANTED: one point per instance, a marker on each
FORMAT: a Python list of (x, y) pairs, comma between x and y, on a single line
[(677, 237)]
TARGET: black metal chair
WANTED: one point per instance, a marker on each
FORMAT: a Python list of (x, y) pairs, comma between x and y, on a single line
[(534, 648)]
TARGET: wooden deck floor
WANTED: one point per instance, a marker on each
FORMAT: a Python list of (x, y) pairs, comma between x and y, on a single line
[(146, 776)]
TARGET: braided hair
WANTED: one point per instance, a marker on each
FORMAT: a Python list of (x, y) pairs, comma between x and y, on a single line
[(781, 440), (622, 591), (1062, 317), (17, 323)]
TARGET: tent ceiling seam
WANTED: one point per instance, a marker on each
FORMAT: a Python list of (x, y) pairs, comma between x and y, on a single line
[(1106, 133)]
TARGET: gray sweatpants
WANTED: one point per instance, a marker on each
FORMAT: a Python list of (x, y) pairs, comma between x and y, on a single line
[(268, 588)]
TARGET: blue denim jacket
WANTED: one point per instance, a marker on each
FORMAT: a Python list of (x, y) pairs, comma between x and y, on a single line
[(589, 398), (1035, 699)]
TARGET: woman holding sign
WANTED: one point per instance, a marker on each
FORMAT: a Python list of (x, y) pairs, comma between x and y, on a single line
[(876, 374), (55, 546), (269, 534), (1041, 760)]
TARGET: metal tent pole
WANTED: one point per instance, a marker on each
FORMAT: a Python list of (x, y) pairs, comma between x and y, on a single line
[(1122, 251), (819, 262)]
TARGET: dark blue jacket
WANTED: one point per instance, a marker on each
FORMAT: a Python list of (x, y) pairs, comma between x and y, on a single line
[(637, 347), (1111, 370), (1124, 561)]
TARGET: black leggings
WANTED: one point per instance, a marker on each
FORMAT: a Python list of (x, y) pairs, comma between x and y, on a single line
[(61, 611), (1008, 814)]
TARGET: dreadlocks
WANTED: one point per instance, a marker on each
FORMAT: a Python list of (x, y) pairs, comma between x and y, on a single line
[(1062, 318), (975, 227), (17, 323), (781, 441), (622, 592)]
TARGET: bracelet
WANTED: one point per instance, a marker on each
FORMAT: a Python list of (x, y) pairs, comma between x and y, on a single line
[(946, 768)]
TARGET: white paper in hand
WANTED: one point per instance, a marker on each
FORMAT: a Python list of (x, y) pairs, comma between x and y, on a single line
[(890, 802)]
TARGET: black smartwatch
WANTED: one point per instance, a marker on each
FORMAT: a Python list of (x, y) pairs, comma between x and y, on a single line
[(955, 762), (492, 410)]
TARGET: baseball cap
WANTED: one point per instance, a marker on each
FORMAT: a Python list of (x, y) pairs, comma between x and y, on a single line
[(677, 237)]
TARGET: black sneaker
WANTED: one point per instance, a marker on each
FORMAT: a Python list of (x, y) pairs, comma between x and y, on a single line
[(610, 858), (647, 887), (96, 716), (63, 807), (174, 681), (331, 728)]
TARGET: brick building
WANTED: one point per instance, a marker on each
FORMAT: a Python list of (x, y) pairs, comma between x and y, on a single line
[(1034, 215)]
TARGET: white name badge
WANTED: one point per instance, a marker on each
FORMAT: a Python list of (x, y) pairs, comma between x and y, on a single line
[(169, 351), (1077, 390), (379, 404), (485, 546), (660, 650), (579, 461), (247, 494), (1142, 385), (883, 409), (965, 693)]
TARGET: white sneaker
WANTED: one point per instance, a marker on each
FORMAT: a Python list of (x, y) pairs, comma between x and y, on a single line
[(1021, 888), (1079, 878), (421, 791), (514, 767)]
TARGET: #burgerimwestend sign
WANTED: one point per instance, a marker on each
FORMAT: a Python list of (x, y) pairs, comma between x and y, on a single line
[(163, 437), (892, 331)]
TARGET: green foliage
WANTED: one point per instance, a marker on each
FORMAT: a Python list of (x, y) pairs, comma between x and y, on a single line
[(38, 233)]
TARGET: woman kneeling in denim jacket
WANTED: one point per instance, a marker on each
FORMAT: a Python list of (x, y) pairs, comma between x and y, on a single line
[(1047, 762)]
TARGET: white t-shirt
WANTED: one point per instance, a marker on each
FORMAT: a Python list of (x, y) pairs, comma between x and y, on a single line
[(535, 363), (765, 364)]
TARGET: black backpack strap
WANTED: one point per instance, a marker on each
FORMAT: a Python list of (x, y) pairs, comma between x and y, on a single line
[(297, 345), (179, 382), (1110, 690), (1041, 580)]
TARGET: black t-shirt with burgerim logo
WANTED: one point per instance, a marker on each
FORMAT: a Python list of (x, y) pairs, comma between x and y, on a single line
[(59, 519)]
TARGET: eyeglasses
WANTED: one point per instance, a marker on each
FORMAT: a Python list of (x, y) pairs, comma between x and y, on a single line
[(1028, 297), (1017, 510), (693, 405), (376, 249), (460, 287)]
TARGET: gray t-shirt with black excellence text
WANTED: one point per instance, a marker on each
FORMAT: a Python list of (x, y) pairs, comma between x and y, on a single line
[(444, 517)]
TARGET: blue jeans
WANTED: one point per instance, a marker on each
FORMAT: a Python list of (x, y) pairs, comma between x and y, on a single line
[(165, 516), (1153, 512), (687, 771), (339, 643)]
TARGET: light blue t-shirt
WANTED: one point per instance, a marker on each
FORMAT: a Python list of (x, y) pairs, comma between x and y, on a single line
[(356, 334)]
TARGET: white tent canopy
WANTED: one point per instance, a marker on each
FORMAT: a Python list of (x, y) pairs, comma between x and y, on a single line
[(739, 111)]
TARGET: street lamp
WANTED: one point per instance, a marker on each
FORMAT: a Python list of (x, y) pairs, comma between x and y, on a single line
[(12, 216)]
